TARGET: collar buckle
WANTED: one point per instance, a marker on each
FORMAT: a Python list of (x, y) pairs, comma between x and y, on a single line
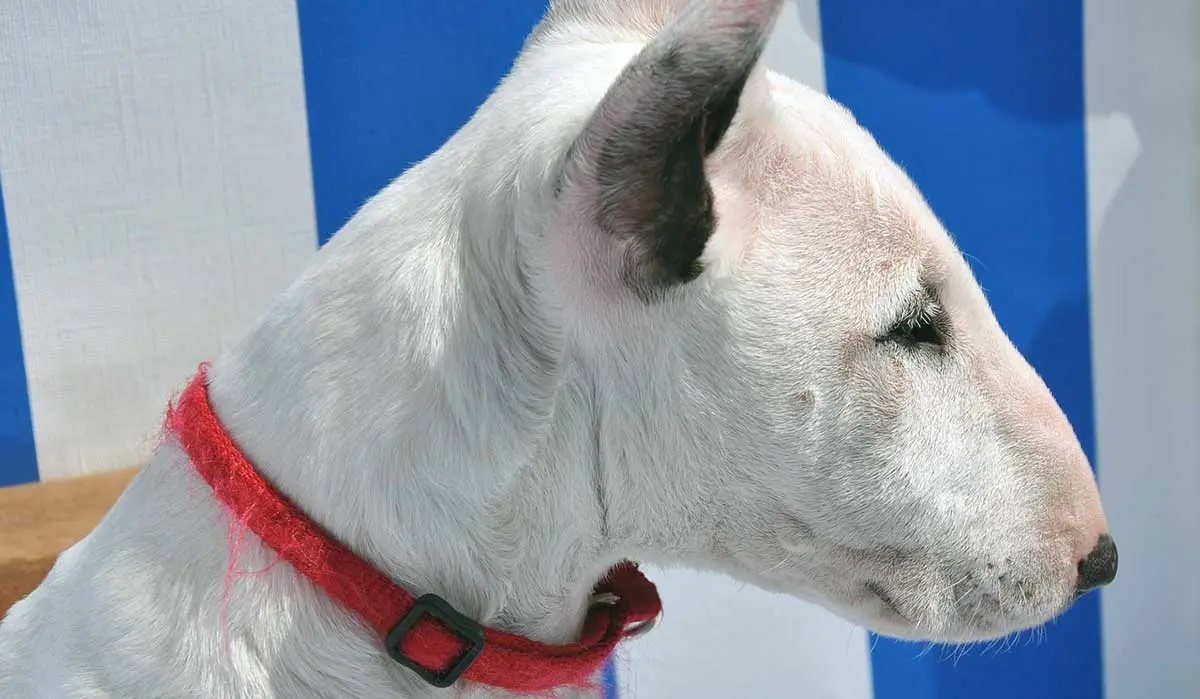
[(468, 630)]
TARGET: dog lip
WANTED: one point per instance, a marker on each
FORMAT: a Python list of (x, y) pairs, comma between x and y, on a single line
[(877, 590)]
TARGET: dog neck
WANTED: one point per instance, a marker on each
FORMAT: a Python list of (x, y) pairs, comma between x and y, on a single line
[(397, 398), (409, 397), (512, 538)]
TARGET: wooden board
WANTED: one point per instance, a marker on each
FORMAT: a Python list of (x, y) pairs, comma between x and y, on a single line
[(41, 520)]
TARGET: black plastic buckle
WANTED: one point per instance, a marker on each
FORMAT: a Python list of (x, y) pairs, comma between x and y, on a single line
[(467, 629)]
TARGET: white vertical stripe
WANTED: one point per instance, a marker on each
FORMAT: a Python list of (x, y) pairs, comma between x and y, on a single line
[(795, 47), (720, 638), (1143, 102), (157, 182)]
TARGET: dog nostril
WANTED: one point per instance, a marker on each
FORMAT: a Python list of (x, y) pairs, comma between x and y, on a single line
[(1100, 566)]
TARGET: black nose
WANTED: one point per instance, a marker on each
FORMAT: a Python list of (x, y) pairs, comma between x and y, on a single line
[(1100, 566)]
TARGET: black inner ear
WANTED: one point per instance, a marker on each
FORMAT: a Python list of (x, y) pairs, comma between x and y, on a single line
[(678, 215), (718, 117), (698, 214), (645, 146), (685, 216), (654, 191)]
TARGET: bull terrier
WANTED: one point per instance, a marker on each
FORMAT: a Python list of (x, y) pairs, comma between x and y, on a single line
[(654, 302)]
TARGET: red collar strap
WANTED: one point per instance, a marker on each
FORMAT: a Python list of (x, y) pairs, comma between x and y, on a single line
[(426, 635)]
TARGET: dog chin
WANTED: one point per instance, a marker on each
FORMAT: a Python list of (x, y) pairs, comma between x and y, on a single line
[(889, 616), (927, 608)]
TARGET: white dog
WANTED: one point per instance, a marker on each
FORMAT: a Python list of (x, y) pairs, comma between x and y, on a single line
[(653, 302)]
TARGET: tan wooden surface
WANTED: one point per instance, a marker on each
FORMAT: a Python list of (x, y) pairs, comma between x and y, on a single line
[(41, 520)]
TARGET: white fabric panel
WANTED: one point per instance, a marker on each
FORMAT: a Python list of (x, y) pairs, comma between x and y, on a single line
[(795, 47), (720, 639), (155, 165), (1143, 102), (781, 647)]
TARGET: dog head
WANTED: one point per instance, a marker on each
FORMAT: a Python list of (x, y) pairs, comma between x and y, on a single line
[(796, 377)]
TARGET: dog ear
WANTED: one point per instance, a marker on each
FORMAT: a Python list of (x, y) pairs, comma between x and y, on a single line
[(640, 158)]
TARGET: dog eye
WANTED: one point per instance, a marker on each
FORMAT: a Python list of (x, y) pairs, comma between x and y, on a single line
[(918, 329)]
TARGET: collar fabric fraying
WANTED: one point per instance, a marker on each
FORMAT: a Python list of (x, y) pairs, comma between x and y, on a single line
[(426, 635)]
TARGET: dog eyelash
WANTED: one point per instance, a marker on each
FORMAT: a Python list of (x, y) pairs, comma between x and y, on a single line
[(920, 327)]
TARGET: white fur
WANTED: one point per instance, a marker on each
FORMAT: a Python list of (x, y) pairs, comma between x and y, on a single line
[(458, 390)]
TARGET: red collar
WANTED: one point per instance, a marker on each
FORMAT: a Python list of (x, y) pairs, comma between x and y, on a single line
[(426, 635)]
